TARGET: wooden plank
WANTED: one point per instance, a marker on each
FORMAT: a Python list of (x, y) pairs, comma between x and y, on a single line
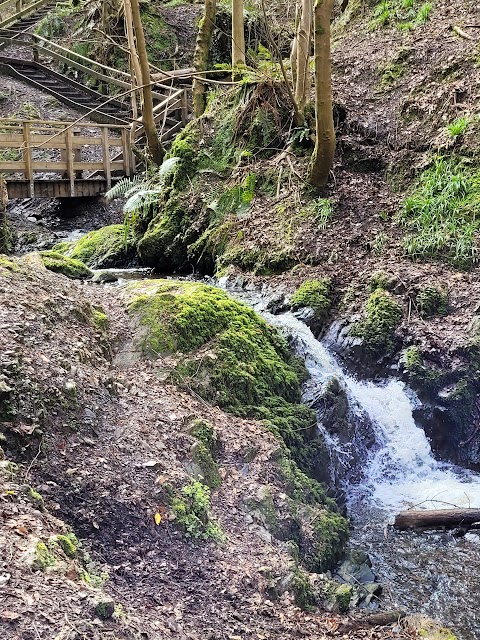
[(184, 108), (70, 173), (126, 153), (27, 156), (106, 158)]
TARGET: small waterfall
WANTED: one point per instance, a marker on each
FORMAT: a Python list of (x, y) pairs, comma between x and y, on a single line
[(391, 469), (400, 471)]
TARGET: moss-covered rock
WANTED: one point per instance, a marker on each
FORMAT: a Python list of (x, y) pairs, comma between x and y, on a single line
[(382, 315), (70, 267), (191, 510), (315, 295), (303, 592), (228, 355), (111, 246)]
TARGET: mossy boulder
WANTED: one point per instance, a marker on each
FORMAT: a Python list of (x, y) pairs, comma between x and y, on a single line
[(382, 315), (111, 246), (314, 295), (70, 267)]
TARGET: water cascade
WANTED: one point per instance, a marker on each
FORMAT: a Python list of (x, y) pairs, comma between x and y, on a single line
[(433, 573)]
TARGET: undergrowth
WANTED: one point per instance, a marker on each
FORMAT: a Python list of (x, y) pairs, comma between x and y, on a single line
[(405, 14), (441, 214)]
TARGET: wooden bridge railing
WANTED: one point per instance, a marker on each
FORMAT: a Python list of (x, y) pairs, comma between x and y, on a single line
[(13, 10), (32, 149)]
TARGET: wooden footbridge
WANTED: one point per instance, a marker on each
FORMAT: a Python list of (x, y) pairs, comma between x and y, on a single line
[(47, 159)]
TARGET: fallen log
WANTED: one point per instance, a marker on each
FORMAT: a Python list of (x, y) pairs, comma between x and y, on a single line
[(437, 519)]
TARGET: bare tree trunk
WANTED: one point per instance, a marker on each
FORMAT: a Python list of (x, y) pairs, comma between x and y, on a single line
[(135, 70), (294, 52), (323, 154), (238, 34), (304, 40), (153, 142), (200, 59)]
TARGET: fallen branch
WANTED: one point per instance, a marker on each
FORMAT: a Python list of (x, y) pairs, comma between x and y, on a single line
[(461, 33), (437, 519)]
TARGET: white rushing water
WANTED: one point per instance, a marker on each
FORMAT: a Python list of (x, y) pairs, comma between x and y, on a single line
[(401, 471)]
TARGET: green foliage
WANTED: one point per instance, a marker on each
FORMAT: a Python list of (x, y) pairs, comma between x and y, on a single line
[(379, 243), (235, 200), (432, 301), (442, 213), (418, 373), (381, 317), (314, 294), (405, 14), (321, 211), (191, 510), (54, 24), (458, 126), (55, 261), (103, 248)]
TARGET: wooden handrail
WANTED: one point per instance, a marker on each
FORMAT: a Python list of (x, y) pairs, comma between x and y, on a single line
[(24, 7)]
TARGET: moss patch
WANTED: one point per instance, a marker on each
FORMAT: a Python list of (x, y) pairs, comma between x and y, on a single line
[(314, 294), (191, 510), (382, 316), (110, 246), (70, 267), (432, 301)]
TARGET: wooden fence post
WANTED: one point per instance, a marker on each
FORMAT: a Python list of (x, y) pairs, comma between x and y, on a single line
[(70, 172), (27, 156), (106, 157)]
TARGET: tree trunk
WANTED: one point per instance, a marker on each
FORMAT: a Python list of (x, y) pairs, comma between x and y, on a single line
[(437, 519), (153, 142), (294, 52), (238, 34), (135, 70), (200, 59), (323, 154), (304, 40)]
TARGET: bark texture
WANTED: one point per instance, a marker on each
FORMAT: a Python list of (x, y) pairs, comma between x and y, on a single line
[(322, 158), (303, 48), (153, 142), (238, 33), (200, 60), (437, 519)]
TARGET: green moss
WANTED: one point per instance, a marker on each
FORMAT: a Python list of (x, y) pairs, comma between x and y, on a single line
[(303, 593), (418, 373), (68, 544), (5, 263), (343, 596), (69, 267), (382, 316), (265, 510), (202, 456), (432, 301), (380, 280), (36, 498), (110, 246), (100, 319), (395, 68), (191, 510), (431, 630), (205, 433), (314, 294), (43, 558)]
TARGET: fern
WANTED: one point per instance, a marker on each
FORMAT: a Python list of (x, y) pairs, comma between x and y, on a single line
[(121, 188)]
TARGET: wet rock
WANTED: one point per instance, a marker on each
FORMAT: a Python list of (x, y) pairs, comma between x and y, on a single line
[(276, 304), (104, 276), (356, 569)]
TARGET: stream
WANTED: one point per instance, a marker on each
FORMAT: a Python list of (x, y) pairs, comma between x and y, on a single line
[(432, 573)]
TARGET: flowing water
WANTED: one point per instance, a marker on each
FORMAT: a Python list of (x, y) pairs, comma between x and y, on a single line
[(431, 573)]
